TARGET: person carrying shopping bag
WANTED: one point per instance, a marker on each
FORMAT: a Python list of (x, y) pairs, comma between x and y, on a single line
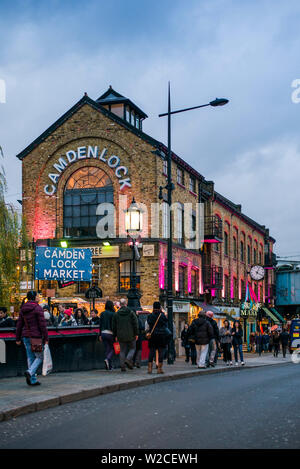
[(32, 330)]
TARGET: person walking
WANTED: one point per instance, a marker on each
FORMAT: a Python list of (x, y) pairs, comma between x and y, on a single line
[(156, 327), (276, 343), (252, 342), (259, 343), (237, 342), (212, 355), (185, 342), (265, 341), (226, 340), (32, 325), (106, 334), (203, 332), (284, 340), (137, 358), (125, 329), (5, 320)]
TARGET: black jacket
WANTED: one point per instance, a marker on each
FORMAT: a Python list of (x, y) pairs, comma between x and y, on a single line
[(201, 330), (184, 337), (237, 336), (215, 328), (105, 322), (284, 338), (7, 322), (159, 336)]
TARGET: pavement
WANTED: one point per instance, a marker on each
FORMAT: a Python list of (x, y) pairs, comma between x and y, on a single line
[(17, 398)]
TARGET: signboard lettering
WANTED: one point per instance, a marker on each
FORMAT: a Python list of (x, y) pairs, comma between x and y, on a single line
[(63, 264)]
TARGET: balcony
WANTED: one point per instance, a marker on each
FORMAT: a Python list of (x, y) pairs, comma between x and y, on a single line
[(213, 229), (212, 277)]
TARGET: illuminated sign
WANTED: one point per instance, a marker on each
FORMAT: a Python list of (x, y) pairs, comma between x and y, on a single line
[(63, 264), (87, 152)]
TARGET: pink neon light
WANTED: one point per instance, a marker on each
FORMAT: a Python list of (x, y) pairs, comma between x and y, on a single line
[(211, 241), (232, 288), (213, 293), (162, 273)]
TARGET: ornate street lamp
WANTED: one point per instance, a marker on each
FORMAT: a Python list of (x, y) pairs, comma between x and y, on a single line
[(134, 226), (170, 187)]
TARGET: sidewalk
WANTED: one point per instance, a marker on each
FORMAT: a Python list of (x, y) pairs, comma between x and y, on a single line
[(16, 398)]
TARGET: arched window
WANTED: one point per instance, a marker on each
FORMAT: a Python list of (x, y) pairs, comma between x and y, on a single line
[(84, 191)]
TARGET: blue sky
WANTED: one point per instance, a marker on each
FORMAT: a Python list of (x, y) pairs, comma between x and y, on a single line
[(51, 52)]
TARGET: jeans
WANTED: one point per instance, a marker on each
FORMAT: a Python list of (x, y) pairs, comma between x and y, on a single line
[(226, 352), (240, 349), (211, 353), (127, 350), (34, 360), (108, 342), (202, 352)]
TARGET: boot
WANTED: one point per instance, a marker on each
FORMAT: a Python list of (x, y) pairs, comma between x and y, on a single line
[(150, 365), (159, 369)]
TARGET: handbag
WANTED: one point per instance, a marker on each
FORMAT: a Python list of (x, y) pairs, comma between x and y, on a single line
[(149, 334), (117, 349), (36, 343)]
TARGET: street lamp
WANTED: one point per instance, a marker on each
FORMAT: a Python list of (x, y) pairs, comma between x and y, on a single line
[(170, 186), (134, 226)]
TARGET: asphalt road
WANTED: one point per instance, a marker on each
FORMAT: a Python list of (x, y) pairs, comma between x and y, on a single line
[(256, 408)]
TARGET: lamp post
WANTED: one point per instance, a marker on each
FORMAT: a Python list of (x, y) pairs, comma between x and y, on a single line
[(133, 226), (170, 187)]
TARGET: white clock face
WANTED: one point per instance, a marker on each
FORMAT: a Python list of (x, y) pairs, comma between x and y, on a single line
[(257, 272)]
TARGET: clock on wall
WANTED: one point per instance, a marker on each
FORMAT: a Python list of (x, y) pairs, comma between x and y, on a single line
[(257, 272)]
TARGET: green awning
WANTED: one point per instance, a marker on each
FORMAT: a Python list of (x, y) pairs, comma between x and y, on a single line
[(271, 315), (278, 315)]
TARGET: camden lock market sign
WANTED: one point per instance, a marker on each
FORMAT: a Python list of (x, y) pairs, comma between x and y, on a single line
[(63, 264), (87, 152)]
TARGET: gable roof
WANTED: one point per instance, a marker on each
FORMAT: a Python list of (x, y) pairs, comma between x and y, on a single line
[(113, 97)]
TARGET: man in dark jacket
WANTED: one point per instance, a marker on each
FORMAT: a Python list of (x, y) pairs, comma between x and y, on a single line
[(125, 329), (202, 332), (212, 356), (5, 320), (32, 324), (284, 339)]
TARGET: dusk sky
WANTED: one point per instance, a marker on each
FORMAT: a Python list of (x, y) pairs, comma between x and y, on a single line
[(247, 51)]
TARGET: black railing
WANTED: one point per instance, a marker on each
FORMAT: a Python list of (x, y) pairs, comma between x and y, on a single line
[(213, 228), (270, 291), (213, 277), (270, 260)]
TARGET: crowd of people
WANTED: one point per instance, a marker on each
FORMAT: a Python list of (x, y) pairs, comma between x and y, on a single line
[(120, 327)]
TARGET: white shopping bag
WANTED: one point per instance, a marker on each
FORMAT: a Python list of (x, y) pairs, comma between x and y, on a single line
[(47, 362)]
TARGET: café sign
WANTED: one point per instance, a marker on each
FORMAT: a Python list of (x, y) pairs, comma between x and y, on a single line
[(87, 152)]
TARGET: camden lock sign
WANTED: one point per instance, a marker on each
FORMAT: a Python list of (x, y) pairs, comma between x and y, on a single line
[(87, 152), (63, 264)]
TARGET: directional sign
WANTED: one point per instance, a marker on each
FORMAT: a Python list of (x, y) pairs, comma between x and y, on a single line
[(63, 264)]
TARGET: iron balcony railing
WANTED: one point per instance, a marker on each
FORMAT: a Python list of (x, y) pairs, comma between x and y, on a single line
[(213, 229), (213, 277)]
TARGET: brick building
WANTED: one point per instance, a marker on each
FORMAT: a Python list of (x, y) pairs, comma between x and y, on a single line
[(98, 153)]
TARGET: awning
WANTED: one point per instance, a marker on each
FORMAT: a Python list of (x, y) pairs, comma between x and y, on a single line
[(207, 307), (278, 315), (230, 318), (271, 315)]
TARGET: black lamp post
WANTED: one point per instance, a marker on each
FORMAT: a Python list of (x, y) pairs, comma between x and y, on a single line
[(133, 226), (170, 188)]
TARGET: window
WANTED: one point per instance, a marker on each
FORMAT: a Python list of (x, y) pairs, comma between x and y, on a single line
[(166, 276), (225, 243), (180, 220), (85, 190), (137, 121), (192, 240), (248, 254), (195, 282), (254, 256), (242, 251), (235, 288), (165, 167), (243, 290), (132, 118), (180, 176), (127, 114), (226, 286), (125, 269), (192, 184), (182, 279), (234, 248), (260, 257)]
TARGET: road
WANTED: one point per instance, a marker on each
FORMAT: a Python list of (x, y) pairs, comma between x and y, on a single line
[(256, 408)]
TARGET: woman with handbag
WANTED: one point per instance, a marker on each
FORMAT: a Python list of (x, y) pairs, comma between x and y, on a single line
[(32, 329), (157, 333)]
